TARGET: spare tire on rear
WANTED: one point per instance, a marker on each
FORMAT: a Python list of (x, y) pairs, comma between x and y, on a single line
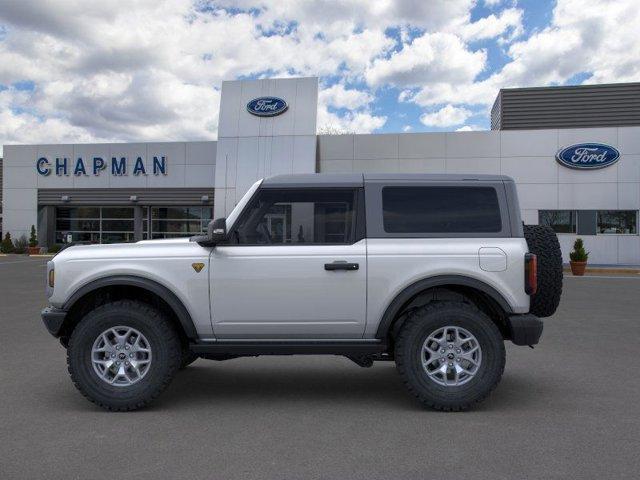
[(543, 242)]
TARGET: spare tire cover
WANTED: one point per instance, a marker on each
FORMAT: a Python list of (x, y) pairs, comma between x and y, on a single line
[(543, 242)]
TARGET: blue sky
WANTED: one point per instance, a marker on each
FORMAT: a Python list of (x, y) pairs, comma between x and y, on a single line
[(77, 71)]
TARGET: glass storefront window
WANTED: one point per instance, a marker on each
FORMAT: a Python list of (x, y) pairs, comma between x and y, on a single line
[(94, 224), (618, 222), (116, 224), (561, 221), (172, 222)]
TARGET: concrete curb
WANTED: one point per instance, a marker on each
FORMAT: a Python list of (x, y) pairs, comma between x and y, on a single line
[(607, 271)]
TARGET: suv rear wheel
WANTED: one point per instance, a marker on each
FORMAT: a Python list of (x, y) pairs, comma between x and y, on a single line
[(450, 355), (123, 354)]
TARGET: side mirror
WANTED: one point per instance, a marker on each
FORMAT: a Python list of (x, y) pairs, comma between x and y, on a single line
[(216, 233), (217, 230)]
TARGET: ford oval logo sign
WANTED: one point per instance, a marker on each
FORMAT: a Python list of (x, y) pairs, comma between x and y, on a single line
[(588, 156), (267, 106)]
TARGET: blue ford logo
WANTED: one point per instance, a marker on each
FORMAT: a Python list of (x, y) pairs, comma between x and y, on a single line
[(588, 156), (267, 106)]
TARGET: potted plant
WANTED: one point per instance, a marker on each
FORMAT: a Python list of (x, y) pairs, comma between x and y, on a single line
[(578, 258), (7, 244), (33, 249)]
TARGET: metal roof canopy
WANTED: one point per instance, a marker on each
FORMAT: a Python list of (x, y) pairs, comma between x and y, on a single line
[(575, 106)]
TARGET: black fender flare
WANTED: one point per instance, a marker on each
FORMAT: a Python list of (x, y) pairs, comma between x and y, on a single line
[(152, 286), (438, 281)]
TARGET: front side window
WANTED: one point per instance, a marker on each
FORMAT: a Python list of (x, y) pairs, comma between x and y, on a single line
[(441, 209), (297, 217), (561, 221), (618, 221)]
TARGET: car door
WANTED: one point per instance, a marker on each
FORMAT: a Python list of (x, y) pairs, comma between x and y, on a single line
[(294, 267)]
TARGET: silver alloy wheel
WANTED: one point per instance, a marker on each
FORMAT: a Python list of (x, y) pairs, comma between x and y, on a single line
[(451, 356), (121, 356)]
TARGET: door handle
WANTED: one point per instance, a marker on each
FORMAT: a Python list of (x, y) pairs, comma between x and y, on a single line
[(341, 265)]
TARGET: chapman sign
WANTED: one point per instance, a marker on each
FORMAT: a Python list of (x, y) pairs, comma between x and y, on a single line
[(118, 166), (267, 106), (588, 156)]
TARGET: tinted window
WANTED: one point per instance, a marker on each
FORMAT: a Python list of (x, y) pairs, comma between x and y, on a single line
[(618, 221), (297, 217), (561, 221), (441, 210)]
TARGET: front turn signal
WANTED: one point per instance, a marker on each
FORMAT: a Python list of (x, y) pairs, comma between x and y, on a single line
[(52, 277)]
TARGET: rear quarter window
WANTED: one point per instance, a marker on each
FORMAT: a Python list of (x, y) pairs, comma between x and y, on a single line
[(441, 209)]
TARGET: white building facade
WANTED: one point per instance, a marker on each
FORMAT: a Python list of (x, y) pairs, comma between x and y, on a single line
[(127, 192)]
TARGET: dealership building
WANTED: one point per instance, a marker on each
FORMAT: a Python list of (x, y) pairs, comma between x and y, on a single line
[(574, 153)]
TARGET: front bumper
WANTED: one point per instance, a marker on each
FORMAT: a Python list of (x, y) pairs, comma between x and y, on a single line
[(525, 329), (53, 319)]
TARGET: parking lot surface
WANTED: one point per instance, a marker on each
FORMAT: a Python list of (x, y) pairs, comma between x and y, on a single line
[(567, 409)]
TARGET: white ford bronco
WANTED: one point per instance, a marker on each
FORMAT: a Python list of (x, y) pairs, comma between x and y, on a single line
[(433, 272)]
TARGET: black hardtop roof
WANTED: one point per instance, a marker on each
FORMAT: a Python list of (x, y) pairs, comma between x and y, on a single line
[(359, 179)]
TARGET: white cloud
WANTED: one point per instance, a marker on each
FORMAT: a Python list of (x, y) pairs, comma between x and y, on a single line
[(357, 119), (407, 128), (432, 57), (151, 70), (447, 116), (469, 128), (340, 97), (597, 38), (358, 122), (508, 22)]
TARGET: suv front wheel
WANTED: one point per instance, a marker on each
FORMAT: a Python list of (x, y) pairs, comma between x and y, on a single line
[(450, 355), (123, 354)]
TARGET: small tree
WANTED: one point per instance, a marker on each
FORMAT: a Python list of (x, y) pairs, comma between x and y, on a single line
[(20, 244), (7, 244), (33, 237), (579, 254)]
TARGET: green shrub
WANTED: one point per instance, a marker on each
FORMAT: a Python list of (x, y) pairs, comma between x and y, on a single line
[(579, 254), (20, 244), (33, 237), (7, 244), (55, 248)]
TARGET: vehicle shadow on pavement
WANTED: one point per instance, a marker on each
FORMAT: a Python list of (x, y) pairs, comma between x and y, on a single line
[(380, 386)]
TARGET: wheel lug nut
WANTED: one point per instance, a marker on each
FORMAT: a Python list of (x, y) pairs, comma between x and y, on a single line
[(457, 360), (442, 351), (117, 363), (457, 350), (126, 347), (131, 355), (451, 346), (451, 364), (126, 363)]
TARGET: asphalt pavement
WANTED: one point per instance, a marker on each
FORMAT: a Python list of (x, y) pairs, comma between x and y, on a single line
[(567, 409)]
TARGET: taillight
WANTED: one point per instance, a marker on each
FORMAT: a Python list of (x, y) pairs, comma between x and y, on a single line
[(530, 274)]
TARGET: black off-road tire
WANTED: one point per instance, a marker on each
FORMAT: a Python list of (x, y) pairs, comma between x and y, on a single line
[(188, 357), (163, 340), (423, 322), (543, 242)]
